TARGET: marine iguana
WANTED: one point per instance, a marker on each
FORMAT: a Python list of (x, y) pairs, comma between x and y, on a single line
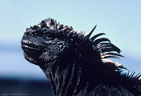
[(77, 64)]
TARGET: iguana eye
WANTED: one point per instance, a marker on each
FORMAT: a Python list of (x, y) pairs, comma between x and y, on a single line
[(48, 37)]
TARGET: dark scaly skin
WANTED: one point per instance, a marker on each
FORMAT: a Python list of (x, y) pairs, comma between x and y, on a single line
[(75, 64)]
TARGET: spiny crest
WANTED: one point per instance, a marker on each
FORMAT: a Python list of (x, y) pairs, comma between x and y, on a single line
[(104, 45), (132, 82), (132, 75), (106, 50), (109, 50)]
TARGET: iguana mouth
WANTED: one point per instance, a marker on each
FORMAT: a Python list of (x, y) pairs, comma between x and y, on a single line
[(31, 50), (30, 47)]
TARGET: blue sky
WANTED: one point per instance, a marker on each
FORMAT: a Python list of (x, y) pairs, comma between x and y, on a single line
[(119, 19)]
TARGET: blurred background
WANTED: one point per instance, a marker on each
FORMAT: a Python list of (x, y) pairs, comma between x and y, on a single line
[(119, 19)]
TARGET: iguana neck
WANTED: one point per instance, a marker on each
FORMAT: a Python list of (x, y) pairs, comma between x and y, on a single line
[(64, 81)]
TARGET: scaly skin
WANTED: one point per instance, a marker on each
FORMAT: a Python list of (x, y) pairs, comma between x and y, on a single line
[(77, 65)]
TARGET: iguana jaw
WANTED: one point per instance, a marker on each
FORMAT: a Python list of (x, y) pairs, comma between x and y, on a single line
[(28, 58), (31, 52)]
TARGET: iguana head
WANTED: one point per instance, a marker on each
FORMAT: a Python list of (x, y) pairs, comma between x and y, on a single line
[(45, 42)]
